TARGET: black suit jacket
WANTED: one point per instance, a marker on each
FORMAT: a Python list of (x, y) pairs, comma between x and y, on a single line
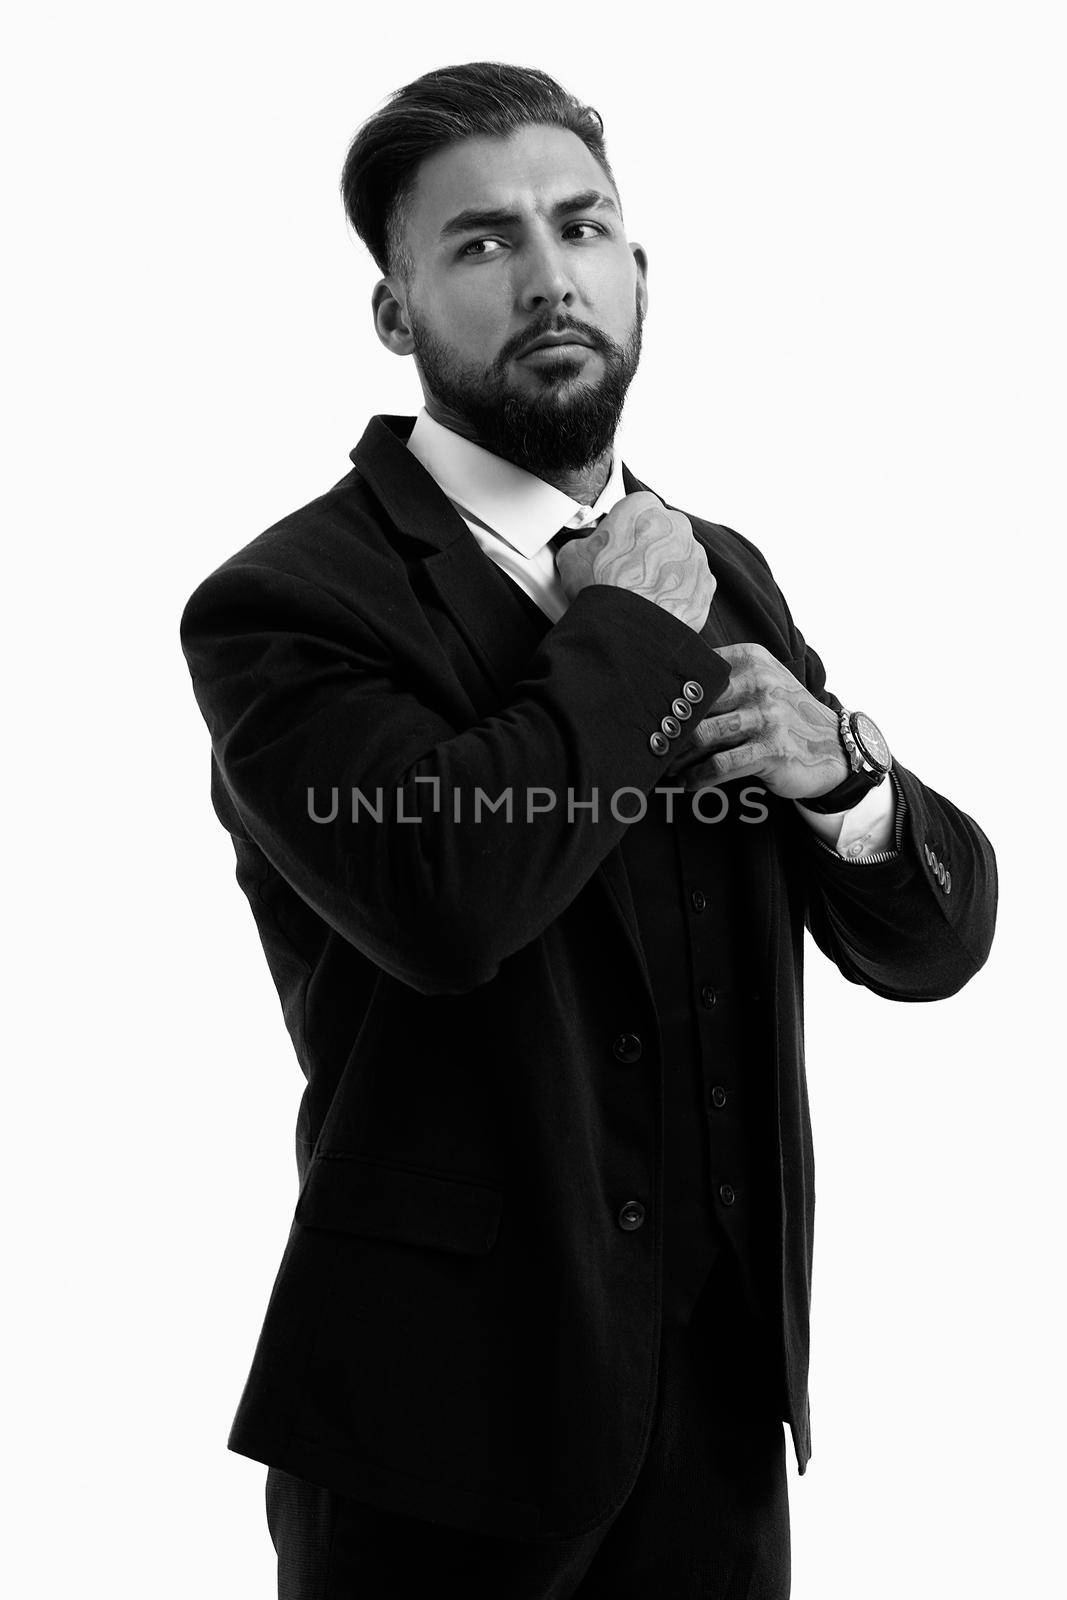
[(459, 1328)]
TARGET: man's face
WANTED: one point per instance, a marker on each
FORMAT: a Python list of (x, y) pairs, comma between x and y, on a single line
[(514, 240)]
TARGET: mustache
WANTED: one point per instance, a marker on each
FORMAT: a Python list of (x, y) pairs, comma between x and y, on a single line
[(598, 340)]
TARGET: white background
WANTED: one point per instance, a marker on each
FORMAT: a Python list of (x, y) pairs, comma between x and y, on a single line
[(855, 354)]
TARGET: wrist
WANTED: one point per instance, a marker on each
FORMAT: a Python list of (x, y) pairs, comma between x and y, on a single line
[(869, 763), (847, 794)]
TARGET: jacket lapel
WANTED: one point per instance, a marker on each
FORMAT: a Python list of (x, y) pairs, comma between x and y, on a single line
[(466, 583), (487, 610), (485, 607)]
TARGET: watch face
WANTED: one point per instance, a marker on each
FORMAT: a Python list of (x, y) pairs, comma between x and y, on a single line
[(869, 737)]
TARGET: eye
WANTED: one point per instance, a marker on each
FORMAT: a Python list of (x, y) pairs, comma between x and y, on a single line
[(594, 228), (480, 248)]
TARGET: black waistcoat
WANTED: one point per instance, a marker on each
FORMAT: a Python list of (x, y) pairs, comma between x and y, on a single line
[(720, 1177)]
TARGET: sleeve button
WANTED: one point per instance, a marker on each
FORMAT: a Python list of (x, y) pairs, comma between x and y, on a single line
[(692, 691), (671, 727), (659, 743), (682, 709)]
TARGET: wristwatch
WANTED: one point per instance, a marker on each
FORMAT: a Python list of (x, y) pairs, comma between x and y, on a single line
[(867, 754), (865, 745)]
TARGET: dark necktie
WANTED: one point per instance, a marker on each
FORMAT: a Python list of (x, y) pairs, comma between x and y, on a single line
[(565, 535)]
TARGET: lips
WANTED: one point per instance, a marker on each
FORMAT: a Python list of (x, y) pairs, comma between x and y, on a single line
[(554, 341)]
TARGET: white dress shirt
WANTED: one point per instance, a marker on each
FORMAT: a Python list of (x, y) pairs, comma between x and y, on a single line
[(514, 514)]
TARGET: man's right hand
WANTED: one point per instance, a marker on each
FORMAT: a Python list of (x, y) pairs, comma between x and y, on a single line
[(642, 546)]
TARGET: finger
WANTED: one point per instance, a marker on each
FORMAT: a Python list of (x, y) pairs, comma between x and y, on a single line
[(739, 692), (728, 727), (580, 549), (743, 761), (743, 681), (754, 661), (736, 655), (579, 553), (654, 522), (626, 510)]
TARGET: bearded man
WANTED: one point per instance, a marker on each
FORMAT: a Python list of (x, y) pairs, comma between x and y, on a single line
[(534, 785)]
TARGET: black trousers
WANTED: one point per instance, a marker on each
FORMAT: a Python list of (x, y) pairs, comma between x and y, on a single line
[(708, 1516)]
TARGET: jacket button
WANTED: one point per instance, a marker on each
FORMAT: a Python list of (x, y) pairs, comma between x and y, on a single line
[(659, 743), (682, 709), (727, 1194), (708, 997), (692, 691), (698, 899), (948, 883), (671, 727), (718, 1097), (631, 1216), (627, 1047)]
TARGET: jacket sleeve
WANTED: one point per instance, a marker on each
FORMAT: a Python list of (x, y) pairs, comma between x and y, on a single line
[(915, 927), (310, 711)]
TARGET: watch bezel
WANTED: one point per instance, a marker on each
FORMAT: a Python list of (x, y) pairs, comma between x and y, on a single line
[(872, 762)]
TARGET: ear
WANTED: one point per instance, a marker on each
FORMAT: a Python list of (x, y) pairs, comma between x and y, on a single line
[(641, 263), (390, 317)]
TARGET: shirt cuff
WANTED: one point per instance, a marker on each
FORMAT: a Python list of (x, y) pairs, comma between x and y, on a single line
[(865, 829)]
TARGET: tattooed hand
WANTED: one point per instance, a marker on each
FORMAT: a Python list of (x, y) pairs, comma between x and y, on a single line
[(766, 726), (642, 546)]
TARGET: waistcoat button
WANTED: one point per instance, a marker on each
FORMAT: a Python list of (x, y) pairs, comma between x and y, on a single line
[(718, 1096), (631, 1216), (627, 1047), (727, 1194)]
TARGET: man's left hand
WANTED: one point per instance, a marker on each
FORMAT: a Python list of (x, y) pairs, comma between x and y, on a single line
[(767, 726)]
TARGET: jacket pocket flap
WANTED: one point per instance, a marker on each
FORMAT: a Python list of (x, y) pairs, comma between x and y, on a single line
[(354, 1194)]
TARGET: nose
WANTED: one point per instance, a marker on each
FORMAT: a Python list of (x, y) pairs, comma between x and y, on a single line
[(546, 281)]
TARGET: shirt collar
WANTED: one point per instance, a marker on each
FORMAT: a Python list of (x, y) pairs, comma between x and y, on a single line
[(518, 507)]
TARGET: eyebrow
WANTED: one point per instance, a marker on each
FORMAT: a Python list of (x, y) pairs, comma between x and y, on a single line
[(479, 217)]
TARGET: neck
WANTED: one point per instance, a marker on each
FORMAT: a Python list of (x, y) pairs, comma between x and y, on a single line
[(583, 484)]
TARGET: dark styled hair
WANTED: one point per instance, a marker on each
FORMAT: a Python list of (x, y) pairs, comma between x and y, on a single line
[(482, 98)]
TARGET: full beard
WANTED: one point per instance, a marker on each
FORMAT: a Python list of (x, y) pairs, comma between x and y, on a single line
[(567, 426)]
